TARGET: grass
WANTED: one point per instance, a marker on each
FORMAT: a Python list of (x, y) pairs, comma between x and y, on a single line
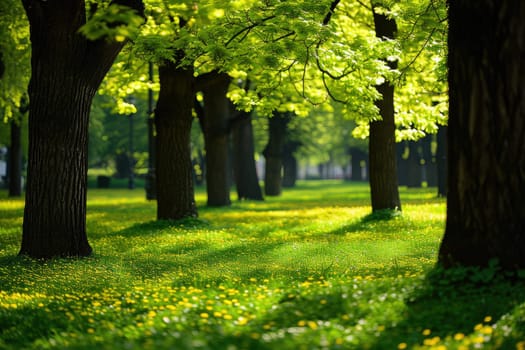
[(308, 270)]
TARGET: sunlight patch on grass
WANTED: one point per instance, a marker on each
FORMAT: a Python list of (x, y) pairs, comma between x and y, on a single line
[(309, 269)]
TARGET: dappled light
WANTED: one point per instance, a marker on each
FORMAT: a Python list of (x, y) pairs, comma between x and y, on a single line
[(257, 275)]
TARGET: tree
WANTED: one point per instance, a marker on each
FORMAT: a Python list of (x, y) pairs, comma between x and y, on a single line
[(273, 153), (486, 158), (244, 168), (216, 137), (382, 143), (173, 119), (67, 69)]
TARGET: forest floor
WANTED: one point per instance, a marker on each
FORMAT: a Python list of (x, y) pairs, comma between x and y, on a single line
[(311, 269)]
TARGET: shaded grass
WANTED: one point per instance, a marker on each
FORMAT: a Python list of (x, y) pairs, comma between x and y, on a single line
[(311, 269)]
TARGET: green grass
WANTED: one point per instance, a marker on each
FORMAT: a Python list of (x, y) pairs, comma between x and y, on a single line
[(308, 270)]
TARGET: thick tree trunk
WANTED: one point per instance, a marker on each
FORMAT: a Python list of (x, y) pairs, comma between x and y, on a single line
[(173, 119), (15, 160), (246, 179), (382, 144), (441, 161), (216, 135), (485, 208), (273, 153), (66, 72)]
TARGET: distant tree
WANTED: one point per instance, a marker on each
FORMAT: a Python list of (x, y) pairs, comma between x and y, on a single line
[(67, 69), (273, 153), (486, 129), (216, 137), (244, 168)]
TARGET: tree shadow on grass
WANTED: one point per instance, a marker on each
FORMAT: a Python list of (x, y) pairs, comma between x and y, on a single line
[(454, 302)]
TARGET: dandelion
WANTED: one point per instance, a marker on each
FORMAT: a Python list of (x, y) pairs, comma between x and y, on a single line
[(204, 315), (486, 330), (459, 336), (313, 325), (301, 323), (487, 319), (402, 346), (478, 340), (426, 331)]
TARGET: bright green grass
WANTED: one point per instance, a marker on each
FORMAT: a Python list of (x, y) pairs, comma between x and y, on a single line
[(309, 270)]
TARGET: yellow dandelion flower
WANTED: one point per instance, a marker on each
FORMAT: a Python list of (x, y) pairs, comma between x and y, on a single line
[(459, 336), (402, 346), (486, 330), (478, 340), (487, 319), (227, 317), (520, 345), (241, 321), (478, 327), (217, 314), (90, 330), (301, 323), (204, 315), (426, 331), (313, 325)]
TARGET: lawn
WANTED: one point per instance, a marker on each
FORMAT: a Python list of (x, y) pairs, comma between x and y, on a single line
[(311, 269)]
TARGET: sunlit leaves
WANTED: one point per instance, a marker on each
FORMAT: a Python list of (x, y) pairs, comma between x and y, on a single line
[(116, 22)]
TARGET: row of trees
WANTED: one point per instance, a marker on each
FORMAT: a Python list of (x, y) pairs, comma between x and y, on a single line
[(279, 58)]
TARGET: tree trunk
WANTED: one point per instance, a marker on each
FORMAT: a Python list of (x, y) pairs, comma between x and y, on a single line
[(273, 152), (246, 179), (67, 70), (173, 118), (15, 160), (216, 135), (290, 163), (486, 172), (441, 161), (382, 144), (414, 165)]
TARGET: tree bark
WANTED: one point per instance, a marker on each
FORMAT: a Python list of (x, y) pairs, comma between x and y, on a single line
[(245, 171), (273, 152), (67, 70), (15, 160), (216, 135), (382, 144), (486, 158), (173, 119)]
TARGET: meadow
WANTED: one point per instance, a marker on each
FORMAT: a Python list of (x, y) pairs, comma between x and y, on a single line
[(311, 269)]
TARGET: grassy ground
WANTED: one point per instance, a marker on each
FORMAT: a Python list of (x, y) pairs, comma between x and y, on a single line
[(309, 270)]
